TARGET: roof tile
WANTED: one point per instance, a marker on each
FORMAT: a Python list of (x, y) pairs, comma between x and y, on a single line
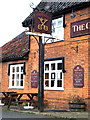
[(16, 48)]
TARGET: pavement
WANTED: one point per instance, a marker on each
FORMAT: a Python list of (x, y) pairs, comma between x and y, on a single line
[(54, 113), (12, 114)]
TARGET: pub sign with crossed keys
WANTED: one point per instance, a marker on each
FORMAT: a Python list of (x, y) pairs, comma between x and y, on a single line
[(42, 22)]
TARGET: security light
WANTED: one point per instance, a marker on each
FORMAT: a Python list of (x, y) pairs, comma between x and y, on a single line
[(72, 15)]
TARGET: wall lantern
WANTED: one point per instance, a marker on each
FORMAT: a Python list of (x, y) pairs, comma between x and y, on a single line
[(72, 15)]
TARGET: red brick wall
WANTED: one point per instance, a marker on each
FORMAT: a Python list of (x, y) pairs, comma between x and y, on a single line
[(58, 99), (0, 68)]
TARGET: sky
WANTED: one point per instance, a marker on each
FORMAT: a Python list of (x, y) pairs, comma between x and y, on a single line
[(12, 14)]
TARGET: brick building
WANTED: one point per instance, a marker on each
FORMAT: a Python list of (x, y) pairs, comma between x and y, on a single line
[(66, 63)]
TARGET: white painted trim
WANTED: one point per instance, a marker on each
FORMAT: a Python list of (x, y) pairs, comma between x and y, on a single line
[(10, 77), (51, 71), (60, 89), (15, 87)]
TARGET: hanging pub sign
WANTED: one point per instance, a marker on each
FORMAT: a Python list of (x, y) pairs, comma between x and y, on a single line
[(79, 28), (42, 22), (34, 79), (78, 76)]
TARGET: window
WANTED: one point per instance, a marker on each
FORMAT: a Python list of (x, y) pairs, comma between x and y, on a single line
[(16, 76), (53, 75), (57, 30)]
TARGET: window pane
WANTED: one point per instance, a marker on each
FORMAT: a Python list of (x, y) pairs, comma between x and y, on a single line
[(60, 33), (60, 75), (17, 83), (52, 75), (53, 29), (12, 82), (17, 76), (22, 69), (53, 66), (54, 24), (59, 30), (59, 83), (46, 67), (21, 76), (60, 22), (46, 75), (46, 83), (13, 69), (21, 83), (59, 66), (13, 76), (17, 69), (52, 83)]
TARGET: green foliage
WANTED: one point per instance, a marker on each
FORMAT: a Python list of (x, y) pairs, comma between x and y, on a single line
[(76, 99), (7, 109)]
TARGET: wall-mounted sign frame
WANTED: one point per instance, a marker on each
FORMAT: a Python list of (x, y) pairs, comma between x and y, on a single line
[(42, 22), (78, 76), (80, 28)]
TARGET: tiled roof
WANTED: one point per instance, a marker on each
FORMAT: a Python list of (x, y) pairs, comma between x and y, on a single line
[(16, 49), (54, 7), (57, 8)]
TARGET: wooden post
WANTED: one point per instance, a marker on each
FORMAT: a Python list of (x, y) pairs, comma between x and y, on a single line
[(41, 76)]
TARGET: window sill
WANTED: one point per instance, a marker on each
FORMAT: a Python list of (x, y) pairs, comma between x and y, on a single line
[(59, 89), (15, 88)]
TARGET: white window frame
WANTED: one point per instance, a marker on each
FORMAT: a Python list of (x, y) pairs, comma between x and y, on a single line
[(16, 73), (55, 71), (55, 34)]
